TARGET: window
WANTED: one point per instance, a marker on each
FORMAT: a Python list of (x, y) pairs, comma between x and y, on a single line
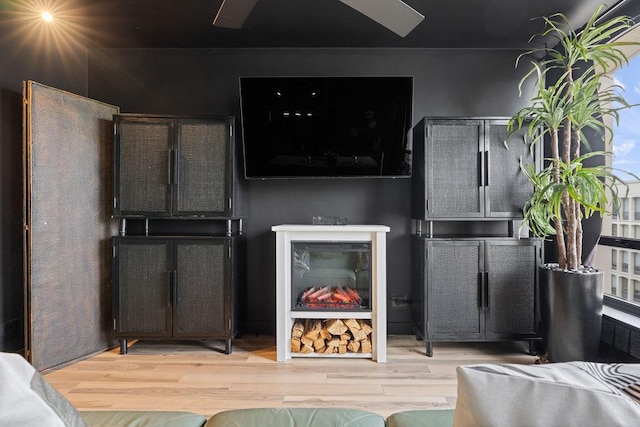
[(625, 209), (624, 288), (636, 290), (613, 251)]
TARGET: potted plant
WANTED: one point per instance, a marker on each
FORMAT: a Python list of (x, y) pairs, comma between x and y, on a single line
[(570, 189)]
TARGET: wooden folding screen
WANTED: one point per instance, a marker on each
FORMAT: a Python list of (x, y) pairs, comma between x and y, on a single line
[(67, 225)]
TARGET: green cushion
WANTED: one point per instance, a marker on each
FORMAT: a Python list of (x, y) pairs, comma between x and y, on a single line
[(142, 418), (296, 417), (422, 418)]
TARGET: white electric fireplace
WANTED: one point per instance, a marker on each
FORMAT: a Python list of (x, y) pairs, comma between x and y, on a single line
[(331, 291)]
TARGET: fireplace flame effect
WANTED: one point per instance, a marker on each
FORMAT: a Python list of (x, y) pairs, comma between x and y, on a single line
[(330, 297)]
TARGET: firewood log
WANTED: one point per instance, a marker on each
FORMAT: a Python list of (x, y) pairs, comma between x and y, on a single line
[(312, 329), (342, 349), (365, 326), (353, 346), (359, 335), (366, 346), (295, 345), (306, 341), (324, 333), (297, 329), (346, 336), (306, 349), (336, 326), (352, 324), (318, 344), (333, 342)]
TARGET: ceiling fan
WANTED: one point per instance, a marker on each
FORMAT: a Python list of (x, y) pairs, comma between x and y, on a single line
[(395, 15)]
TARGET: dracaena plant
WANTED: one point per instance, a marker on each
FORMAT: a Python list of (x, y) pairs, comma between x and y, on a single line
[(567, 191)]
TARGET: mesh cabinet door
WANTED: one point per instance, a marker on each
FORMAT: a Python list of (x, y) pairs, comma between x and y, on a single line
[(201, 291), (204, 166), (454, 289), (508, 188), (143, 166), (512, 267), (454, 168), (143, 279)]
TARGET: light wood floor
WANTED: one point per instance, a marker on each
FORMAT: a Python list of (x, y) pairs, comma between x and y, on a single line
[(190, 376)]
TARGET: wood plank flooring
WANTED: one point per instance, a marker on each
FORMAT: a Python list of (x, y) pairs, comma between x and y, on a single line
[(190, 376)]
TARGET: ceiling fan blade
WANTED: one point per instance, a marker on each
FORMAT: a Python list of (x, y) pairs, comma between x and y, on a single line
[(233, 13), (396, 15)]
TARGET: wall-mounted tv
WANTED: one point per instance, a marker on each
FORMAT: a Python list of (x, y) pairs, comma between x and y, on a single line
[(319, 127)]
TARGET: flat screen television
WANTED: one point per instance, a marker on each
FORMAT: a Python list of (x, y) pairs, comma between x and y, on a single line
[(319, 127)]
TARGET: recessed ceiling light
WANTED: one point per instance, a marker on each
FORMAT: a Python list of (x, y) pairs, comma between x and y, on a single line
[(47, 16)]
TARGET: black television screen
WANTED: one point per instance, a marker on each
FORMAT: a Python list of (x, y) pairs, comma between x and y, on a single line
[(300, 127)]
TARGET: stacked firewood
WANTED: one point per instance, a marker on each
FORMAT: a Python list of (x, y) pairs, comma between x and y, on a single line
[(331, 336)]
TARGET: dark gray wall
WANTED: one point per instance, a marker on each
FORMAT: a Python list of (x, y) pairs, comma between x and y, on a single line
[(205, 81), (11, 270), (63, 65)]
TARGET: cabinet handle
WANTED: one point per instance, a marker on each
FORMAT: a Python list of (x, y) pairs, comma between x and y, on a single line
[(486, 168), (479, 169), (169, 159), (175, 166), (175, 288), (486, 287), (169, 288), (480, 290)]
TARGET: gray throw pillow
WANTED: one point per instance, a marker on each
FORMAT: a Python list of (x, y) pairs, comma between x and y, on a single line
[(560, 394), (27, 399)]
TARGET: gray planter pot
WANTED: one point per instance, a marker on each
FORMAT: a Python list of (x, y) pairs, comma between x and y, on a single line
[(571, 313)]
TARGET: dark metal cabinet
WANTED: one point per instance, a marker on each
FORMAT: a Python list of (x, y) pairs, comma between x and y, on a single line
[(475, 289), (462, 169), (174, 166), (175, 287)]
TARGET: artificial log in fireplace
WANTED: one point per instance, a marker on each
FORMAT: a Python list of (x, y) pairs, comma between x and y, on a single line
[(329, 297)]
